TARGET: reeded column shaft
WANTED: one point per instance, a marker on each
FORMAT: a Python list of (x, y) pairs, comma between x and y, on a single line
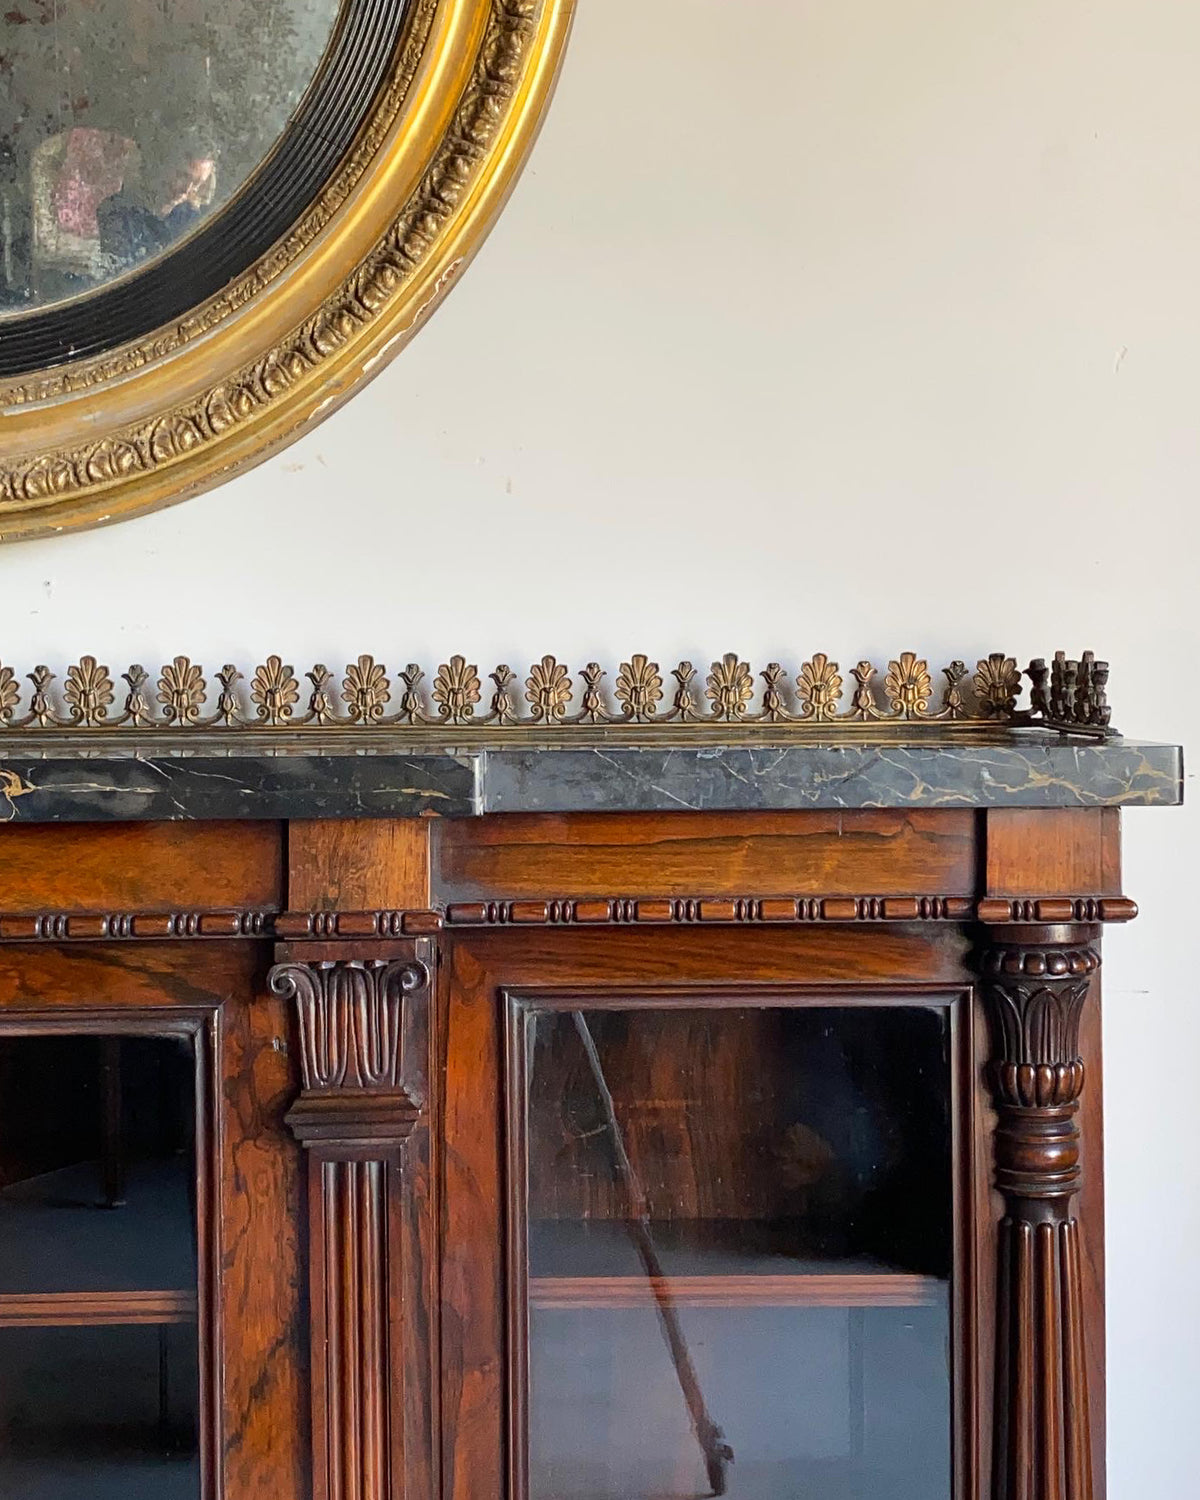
[(1036, 982)]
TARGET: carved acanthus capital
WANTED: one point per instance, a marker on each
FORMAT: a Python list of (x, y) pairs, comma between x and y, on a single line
[(1036, 995)]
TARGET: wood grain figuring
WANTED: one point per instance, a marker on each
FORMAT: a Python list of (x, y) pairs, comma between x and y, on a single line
[(370, 863), (148, 867), (654, 959), (65, 981), (474, 1426), (95, 1309), (519, 857), (1071, 851), (262, 1293)]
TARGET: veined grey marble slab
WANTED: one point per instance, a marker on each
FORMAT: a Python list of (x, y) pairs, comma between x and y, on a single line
[(61, 784), (1030, 772), (166, 788)]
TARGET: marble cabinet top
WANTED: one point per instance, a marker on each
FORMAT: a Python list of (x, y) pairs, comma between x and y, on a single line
[(261, 777)]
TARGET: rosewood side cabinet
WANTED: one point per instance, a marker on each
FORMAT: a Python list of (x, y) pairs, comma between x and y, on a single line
[(555, 1110)]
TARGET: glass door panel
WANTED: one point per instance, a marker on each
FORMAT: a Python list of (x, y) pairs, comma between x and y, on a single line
[(738, 1240), (99, 1344)]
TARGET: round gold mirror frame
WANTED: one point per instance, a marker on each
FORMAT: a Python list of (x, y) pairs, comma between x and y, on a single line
[(159, 420)]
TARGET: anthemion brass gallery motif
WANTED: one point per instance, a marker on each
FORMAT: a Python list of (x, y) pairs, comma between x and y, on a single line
[(1065, 695), (136, 427)]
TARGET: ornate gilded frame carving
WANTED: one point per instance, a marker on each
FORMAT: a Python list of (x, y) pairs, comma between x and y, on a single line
[(161, 419)]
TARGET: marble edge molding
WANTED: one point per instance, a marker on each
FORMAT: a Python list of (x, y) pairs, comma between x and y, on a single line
[(1010, 771)]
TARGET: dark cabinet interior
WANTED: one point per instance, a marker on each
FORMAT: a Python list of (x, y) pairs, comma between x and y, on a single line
[(739, 1239), (99, 1295)]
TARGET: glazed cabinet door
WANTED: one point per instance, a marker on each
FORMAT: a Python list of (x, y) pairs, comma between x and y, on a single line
[(151, 1340), (732, 1188)]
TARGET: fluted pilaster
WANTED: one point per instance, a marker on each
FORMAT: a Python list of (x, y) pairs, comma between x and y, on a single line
[(363, 1027)]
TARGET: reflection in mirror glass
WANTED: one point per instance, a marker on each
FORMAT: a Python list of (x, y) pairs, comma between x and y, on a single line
[(740, 1244), (124, 124)]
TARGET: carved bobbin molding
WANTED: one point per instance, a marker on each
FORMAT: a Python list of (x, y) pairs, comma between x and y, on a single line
[(1036, 981), (364, 1036)]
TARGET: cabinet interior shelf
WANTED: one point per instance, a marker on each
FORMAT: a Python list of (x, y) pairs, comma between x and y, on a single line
[(595, 1263), (864, 1289), (95, 1309)]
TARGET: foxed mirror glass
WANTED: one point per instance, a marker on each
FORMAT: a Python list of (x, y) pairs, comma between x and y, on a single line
[(125, 124), (216, 217)]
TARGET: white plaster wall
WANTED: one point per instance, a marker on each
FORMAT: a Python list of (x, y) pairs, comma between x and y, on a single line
[(815, 324)]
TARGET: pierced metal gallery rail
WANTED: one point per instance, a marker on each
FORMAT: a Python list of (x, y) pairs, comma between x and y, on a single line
[(1066, 695)]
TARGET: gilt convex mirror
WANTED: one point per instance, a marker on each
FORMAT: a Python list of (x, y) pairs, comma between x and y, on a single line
[(216, 217)]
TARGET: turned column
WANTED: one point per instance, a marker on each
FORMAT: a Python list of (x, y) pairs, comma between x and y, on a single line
[(363, 1028), (1035, 983)]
